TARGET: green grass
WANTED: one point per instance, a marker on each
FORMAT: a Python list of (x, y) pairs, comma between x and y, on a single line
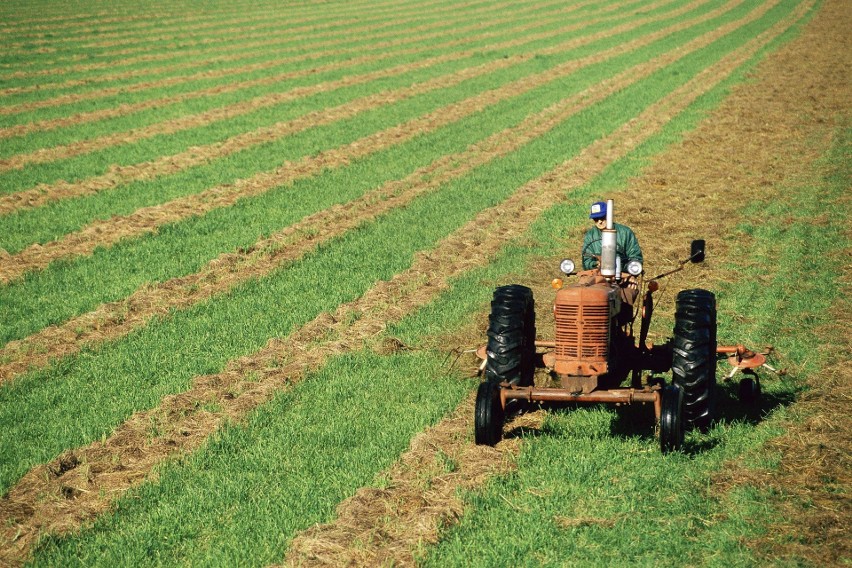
[(224, 34), (204, 335), (266, 49), (73, 169), (73, 287), (583, 493), (385, 57), (239, 499)]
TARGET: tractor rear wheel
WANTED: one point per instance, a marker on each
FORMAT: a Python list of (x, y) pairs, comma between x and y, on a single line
[(510, 349), (671, 419), (694, 355), (488, 417)]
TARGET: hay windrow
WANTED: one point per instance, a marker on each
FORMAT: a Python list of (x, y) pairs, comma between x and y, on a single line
[(271, 39), (161, 32), (113, 320), (174, 26), (799, 97), (353, 16), (314, 53), (786, 123), (59, 497), (202, 119), (166, 165), (74, 149), (294, 27), (146, 220), (422, 493), (37, 27), (247, 51), (95, 23), (133, 57)]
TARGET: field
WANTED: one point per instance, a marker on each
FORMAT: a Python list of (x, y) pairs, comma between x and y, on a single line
[(247, 249)]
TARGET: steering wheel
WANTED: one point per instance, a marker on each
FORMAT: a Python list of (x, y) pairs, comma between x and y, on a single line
[(585, 254)]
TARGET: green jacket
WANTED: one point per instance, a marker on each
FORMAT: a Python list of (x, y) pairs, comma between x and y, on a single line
[(626, 246)]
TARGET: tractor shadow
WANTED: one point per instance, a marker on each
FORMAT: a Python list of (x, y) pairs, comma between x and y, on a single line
[(731, 409), (637, 420), (634, 420)]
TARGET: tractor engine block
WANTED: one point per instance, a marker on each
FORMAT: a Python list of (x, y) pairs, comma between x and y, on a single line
[(583, 316)]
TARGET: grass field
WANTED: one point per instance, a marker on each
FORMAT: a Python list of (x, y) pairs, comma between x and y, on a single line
[(246, 248)]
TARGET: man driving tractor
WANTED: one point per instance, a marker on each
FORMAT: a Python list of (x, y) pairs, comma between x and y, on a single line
[(626, 242), (627, 248)]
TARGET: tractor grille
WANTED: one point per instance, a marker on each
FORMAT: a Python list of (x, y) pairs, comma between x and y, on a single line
[(582, 332)]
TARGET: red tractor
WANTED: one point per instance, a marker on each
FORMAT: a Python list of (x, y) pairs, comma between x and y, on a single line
[(595, 349)]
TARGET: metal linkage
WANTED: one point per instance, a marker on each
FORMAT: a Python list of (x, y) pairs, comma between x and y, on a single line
[(743, 359), (616, 396)]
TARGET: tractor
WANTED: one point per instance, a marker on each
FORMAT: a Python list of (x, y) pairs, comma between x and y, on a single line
[(595, 350)]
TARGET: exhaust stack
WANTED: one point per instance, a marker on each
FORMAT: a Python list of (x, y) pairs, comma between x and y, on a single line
[(608, 244)]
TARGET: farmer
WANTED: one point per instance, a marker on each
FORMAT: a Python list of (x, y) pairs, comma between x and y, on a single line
[(627, 248)]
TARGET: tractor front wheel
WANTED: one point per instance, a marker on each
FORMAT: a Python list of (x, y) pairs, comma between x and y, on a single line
[(510, 351), (489, 416), (694, 355), (671, 419)]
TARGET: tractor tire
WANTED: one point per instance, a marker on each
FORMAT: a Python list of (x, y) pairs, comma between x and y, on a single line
[(694, 355), (510, 351), (489, 416), (671, 419), (749, 391)]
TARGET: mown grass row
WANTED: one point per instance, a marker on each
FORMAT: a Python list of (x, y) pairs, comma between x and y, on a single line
[(43, 15), (287, 53), (43, 224), (508, 174), (255, 47), (379, 50), (119, 35), (133, 529), (72, 167), (258, 46), (96, 126), (167, 264), (118, 25), (76, 168), (266, 254), (300, 456)]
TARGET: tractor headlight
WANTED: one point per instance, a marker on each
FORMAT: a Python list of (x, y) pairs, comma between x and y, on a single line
[(567, 266), (634, 268)]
